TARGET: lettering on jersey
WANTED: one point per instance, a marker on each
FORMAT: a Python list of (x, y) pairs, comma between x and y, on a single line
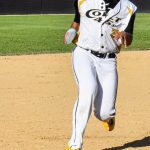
[(96, 14), (101, 13), (113, 21)]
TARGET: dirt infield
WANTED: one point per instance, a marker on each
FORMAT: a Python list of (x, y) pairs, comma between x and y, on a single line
[(37, 94)]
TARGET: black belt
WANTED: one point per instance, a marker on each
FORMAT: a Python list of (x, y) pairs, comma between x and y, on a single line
[(101, 55)]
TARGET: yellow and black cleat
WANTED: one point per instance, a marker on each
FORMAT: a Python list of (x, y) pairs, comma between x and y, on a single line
[(109, 125)]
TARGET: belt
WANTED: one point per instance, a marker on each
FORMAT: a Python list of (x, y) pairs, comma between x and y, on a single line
[(101, 55)]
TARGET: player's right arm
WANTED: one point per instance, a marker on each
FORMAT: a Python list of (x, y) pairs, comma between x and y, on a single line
[(76, 22), (72, 31)]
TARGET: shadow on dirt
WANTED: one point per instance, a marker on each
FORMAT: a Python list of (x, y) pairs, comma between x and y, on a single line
[(138, 143)]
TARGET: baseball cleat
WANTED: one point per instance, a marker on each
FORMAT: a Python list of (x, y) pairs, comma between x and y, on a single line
[(68, 148), (109, 125)]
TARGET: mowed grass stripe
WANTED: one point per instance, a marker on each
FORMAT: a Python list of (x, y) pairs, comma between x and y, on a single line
[(141, 38), (44, 34), (33, 34)]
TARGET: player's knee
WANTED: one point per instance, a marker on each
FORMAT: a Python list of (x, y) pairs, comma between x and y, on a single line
[(83, 108), (86, 95), (88, 91)]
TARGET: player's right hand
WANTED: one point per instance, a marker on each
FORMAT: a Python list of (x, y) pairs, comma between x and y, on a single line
[(70, 35)]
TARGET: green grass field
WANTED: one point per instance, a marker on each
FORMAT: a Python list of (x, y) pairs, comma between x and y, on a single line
[(44, 34)]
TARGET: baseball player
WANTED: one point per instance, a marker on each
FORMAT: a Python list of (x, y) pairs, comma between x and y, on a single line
[(99, 29)]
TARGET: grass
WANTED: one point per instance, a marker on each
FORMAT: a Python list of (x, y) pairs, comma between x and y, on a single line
[(141, 33), (32, 34), (44, 34)]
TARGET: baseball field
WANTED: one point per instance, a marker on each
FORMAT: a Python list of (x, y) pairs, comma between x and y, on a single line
[(38, 90)]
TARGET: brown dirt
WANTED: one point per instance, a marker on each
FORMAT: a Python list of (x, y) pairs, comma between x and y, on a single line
[(37, 95)]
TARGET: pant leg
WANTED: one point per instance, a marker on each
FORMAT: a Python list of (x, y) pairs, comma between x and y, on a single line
[(108, 82), (87, 83), (98, 102)]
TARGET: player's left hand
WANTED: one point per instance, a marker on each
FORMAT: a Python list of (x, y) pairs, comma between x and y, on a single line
[(125, 37)]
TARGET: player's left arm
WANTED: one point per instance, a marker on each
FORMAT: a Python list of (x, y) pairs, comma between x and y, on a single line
[(127, 34)]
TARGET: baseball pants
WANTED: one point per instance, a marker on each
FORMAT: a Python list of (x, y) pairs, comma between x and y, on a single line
[(97, 81)]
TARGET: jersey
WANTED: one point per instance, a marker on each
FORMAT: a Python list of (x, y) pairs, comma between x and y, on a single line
[(99, 18)]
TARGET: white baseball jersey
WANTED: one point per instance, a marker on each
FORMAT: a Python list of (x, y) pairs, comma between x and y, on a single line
[(97, 21)]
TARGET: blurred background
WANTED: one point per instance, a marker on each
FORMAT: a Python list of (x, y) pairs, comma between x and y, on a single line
[(51, 6)]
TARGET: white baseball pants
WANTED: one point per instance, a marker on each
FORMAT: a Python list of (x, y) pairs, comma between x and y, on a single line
[(97, 82)]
